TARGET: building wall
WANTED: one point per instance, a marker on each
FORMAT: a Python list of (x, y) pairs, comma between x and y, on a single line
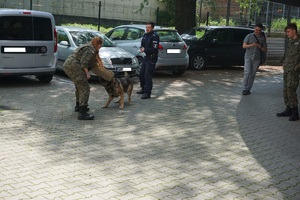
[(127, 10)]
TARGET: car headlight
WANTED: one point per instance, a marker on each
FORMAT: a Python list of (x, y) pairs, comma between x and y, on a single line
[(106, 61), (135, 60)]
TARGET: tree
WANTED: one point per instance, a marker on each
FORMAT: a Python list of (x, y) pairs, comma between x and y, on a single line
[(254, 6), (185, 15)]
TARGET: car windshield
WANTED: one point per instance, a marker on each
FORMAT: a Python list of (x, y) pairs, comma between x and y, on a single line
[(83, 37), (168, 36)]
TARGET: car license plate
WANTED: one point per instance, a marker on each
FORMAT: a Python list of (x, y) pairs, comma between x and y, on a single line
[(126, 69), (14, 50), (173, 51)]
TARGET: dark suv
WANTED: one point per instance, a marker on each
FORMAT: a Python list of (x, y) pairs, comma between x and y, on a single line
[(215, 45)]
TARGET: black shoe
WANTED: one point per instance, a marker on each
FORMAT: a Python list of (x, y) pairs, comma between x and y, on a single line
[(76, 109), (146, 96), (245, 92), (286, 113), (83, 114), (248, 92), (140, 92), (295, 114)]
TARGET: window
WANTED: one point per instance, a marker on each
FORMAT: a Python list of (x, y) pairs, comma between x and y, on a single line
[(84, 37), (220, 36), (134, 34), (25, 28), (239, 35), (62, 36), (200, 33), (117, 34), (168, 36)]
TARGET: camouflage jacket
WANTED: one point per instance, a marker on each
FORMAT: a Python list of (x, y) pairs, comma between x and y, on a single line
[(292, 55), (86, 56)]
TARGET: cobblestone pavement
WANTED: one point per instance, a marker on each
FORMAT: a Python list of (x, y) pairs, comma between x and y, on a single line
[(197, 138)]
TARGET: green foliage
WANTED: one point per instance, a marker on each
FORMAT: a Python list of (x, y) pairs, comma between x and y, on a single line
[(90, 26), (220, 22), (279, 24)]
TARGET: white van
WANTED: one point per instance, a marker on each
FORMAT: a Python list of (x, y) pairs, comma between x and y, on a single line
[(28, 43)]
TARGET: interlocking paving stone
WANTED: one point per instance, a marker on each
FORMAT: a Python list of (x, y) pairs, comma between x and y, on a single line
[(196, 138)]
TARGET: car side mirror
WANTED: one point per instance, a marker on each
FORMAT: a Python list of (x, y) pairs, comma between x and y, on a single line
[(64, 43)]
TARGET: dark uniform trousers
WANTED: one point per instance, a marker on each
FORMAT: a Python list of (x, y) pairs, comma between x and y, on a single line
[(146, 73), (290, 84)]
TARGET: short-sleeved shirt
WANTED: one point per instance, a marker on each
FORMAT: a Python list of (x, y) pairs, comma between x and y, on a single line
[(254, 52)]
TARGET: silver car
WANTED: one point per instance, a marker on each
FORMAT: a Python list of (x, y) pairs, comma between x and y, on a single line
[(114, 58), (28, 44), (172, 54)]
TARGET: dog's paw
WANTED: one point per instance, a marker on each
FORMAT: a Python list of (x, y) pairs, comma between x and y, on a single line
[(121, 107)]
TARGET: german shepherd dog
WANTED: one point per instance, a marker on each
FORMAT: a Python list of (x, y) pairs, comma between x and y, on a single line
[(117, 87)]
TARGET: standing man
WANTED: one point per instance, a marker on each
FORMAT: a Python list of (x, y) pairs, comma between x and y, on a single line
[(254, 43), (149, 46), (291, 68)]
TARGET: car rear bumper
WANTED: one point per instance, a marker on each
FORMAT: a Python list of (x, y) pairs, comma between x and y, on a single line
[(30, 71), (172, 63)]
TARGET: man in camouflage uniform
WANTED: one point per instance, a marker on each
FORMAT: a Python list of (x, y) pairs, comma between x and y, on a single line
[(77, 67), (291, 74)]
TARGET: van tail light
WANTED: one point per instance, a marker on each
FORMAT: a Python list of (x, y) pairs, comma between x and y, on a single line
[(160, 47), (26, 13), (185, 47), (55, 40)]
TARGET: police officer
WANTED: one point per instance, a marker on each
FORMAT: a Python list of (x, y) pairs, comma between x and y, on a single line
[(291, 68), (77, 67), (149, 46)]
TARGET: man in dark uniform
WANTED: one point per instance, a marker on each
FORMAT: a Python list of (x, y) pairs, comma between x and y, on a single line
[(291, 72), (149, 46)]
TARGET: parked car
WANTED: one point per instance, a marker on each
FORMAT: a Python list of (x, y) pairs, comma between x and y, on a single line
[(28, 44), (172, 54), (215, 45), (114, 58)]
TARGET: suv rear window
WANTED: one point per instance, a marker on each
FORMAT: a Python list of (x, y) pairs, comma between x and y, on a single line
[(168, 36), (25, 28)]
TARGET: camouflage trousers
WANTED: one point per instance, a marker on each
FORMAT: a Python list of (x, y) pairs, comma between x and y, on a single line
[(290, 84), (78, 77)]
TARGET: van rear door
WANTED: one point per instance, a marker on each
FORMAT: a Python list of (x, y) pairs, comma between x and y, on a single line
[(26, 41)]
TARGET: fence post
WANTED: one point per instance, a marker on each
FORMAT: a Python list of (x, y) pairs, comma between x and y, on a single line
[(228, 12), (99, 15), (157, 12), (30, 5), (207, 18)]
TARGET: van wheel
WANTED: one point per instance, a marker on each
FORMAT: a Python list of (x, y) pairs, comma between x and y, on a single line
[(45, 78), (178, 72), (198, 62)]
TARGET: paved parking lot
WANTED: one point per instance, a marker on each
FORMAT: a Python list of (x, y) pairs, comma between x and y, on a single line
[(197, 138)]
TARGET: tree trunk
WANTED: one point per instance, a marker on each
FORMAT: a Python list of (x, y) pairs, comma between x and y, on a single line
[(185, 15)]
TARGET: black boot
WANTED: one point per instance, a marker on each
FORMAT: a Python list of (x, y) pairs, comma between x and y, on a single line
[(76, 109), (286, 113), (140, 92), (295, 114), (83, 114), (146, 96)]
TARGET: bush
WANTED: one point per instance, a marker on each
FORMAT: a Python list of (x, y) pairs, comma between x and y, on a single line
[(279, 24), (90, 26), (220, 22)]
